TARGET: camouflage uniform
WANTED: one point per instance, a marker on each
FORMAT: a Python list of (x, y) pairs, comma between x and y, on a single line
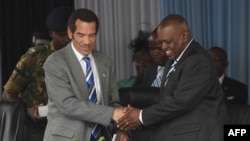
[(27, 78), (28, 81)]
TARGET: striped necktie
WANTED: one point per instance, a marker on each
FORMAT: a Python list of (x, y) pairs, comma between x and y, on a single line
[(171, 70), (96, 132), (157, 81)]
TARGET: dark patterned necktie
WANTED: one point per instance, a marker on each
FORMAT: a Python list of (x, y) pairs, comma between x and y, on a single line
[(96, 132), (171, 70)]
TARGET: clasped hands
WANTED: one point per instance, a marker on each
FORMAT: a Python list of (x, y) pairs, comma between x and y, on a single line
[(127, 118)]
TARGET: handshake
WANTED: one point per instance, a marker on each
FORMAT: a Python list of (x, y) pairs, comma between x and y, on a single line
[(127, 118)]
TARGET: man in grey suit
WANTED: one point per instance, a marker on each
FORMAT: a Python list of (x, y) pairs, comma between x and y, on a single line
[(71, 115), (191, 105)]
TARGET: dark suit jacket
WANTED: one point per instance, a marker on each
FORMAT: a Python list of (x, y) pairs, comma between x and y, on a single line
[(191, 105), (149, 75), (235, 92)]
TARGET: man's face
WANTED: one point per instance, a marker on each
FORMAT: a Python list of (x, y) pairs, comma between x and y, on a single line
[(143, 60), (220, 61), (60, 39), (173, 41), (156, 52), (84, 37)]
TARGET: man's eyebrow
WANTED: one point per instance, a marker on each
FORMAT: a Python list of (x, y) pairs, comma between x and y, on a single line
[(79, 33), (85, 34), (217, 58)]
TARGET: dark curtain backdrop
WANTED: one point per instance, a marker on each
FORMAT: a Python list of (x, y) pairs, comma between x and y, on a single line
[(18, 20)]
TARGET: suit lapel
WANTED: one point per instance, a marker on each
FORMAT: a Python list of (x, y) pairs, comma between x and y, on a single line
[(169, 63), (102, 69), (166, 69), (77, 72), (186, 53)]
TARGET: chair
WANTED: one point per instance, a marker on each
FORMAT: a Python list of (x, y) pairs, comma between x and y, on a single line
[(12, 116), (238, 113), (139, 97)]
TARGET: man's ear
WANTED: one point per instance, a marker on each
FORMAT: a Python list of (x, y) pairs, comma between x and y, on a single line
[(51, 33), (185, 36), (226, 63), (70, 34)]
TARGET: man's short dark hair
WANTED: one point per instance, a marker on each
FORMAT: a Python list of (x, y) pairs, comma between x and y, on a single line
[(82, 14), (221, 50)]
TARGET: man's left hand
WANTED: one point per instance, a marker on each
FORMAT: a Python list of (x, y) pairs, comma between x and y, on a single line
[(130, 120)]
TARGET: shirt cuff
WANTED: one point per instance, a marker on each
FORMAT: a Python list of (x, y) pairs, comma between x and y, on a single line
[(140, 118)]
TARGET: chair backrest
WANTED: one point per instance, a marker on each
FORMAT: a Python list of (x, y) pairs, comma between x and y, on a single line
[(12, 121), (238, 113), (139, 97)]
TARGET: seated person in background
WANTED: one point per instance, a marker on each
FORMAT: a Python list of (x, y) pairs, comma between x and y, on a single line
[(153, 74), (26, 84), (235, 92), (142, 59)]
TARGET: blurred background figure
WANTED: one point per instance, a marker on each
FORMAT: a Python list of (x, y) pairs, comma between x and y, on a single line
[(40, 38), (235, 92), (153, 74), (27, 81), (141, 57)]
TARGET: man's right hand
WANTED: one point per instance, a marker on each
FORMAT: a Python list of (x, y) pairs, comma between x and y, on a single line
[(119, 112), (130, 120)]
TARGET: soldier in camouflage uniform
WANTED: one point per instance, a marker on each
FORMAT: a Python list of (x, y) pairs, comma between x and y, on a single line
[(27, 84)]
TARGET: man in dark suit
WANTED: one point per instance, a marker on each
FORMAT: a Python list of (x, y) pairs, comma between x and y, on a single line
[(191, 105), (235, 92), (71, 82), (153, 74)]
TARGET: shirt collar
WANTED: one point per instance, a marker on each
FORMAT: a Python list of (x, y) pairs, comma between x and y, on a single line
[(184, 50), (79, 55), (221, 78)]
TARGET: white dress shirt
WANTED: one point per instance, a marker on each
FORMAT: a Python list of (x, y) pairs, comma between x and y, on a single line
[(95, 71)]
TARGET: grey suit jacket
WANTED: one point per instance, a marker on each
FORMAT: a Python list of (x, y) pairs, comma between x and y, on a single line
[(191, 106), (70, 114)]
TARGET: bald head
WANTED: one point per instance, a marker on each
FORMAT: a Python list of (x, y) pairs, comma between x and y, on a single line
[(176, 21), (174, 34)]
